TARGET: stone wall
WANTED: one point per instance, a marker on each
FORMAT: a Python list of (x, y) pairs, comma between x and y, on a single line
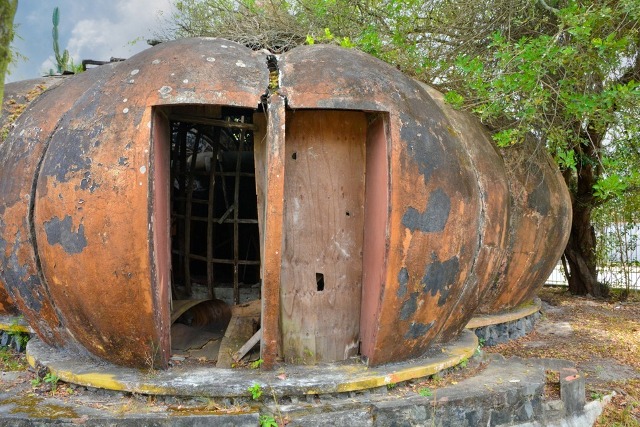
[(491, 335)]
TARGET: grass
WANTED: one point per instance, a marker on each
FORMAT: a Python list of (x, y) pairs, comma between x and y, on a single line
[(10, 360)]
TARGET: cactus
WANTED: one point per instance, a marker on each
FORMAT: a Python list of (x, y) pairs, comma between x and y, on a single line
[(62, 60)]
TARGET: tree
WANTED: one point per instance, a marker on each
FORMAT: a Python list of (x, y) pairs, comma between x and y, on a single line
[(573, 84), (565, 73), (7, 12)]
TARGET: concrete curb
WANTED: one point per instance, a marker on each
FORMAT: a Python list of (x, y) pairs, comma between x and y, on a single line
[(509, 392), (525, 310), (504, 327), (14, 323), (288, 380), (157, 420)]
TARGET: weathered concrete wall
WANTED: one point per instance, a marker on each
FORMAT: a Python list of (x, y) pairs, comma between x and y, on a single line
[(76, 194), (439, 243), (540, 223), (18, 97), (21, 153)]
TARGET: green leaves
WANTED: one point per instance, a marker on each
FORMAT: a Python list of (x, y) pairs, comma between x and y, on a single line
[(609, 186), (256, 391), (425, 392), (267, 421), (7, 54), (507, 137), (328, 37), (454, 99), (369, 41), (566, 159)]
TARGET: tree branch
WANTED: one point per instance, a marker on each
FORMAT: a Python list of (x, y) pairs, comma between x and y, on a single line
[(549, 8)]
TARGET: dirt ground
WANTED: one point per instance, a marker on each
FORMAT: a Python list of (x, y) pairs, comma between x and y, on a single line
[(601, 336)]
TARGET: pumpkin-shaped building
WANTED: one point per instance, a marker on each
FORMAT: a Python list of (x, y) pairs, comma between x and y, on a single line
[(369, 217)]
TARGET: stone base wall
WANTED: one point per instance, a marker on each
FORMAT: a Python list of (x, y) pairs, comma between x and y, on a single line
[(14, 332), (491, 335), (510, 392), (17, 341)]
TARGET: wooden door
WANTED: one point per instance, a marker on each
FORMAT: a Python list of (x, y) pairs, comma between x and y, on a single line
[(321, 283)]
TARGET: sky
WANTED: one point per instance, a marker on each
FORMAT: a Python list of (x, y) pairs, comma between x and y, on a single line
[(89, 29)]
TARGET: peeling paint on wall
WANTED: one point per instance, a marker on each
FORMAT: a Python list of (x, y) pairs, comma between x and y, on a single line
[(60, 232), (433, 218)]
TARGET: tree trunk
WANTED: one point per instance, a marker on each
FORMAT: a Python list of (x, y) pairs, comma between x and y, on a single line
[(580, 252), (7, 11)]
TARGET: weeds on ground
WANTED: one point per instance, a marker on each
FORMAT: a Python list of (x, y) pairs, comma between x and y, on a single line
[(256, 391), (11, 360), (268, 421)]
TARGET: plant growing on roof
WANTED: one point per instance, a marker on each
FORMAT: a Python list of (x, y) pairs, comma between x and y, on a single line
[(62, 61)]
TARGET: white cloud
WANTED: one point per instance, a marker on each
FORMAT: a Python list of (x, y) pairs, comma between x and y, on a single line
[(120, 31), (96, 29), (48, 65)]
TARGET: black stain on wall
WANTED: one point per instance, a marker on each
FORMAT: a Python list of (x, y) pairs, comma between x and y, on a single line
[(435, 216), (426, 152), (540, 198), (439, 277), (87, 183), (61, 232), (409, 307), (422, 155), (17, 277), (416, 330), (64, 163)]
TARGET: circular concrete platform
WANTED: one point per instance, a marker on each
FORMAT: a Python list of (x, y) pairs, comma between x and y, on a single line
[(14, 324), (525, 310), (494, 329), (285, 380), (504, 392)]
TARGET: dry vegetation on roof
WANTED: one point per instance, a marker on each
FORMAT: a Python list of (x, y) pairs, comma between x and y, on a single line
[(13, 109)]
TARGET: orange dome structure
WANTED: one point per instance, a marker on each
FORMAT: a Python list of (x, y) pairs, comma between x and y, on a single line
[(370, 218)]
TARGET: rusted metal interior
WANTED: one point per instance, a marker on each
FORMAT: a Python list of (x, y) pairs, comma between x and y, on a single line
[(350, 207), (214, 217)]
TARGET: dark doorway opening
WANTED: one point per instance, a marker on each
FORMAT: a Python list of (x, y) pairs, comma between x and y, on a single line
[(214, 219), (215, 244)]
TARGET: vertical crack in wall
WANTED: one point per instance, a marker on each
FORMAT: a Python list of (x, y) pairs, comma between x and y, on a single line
[(274, 78), (32, 228), (274, 74)]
